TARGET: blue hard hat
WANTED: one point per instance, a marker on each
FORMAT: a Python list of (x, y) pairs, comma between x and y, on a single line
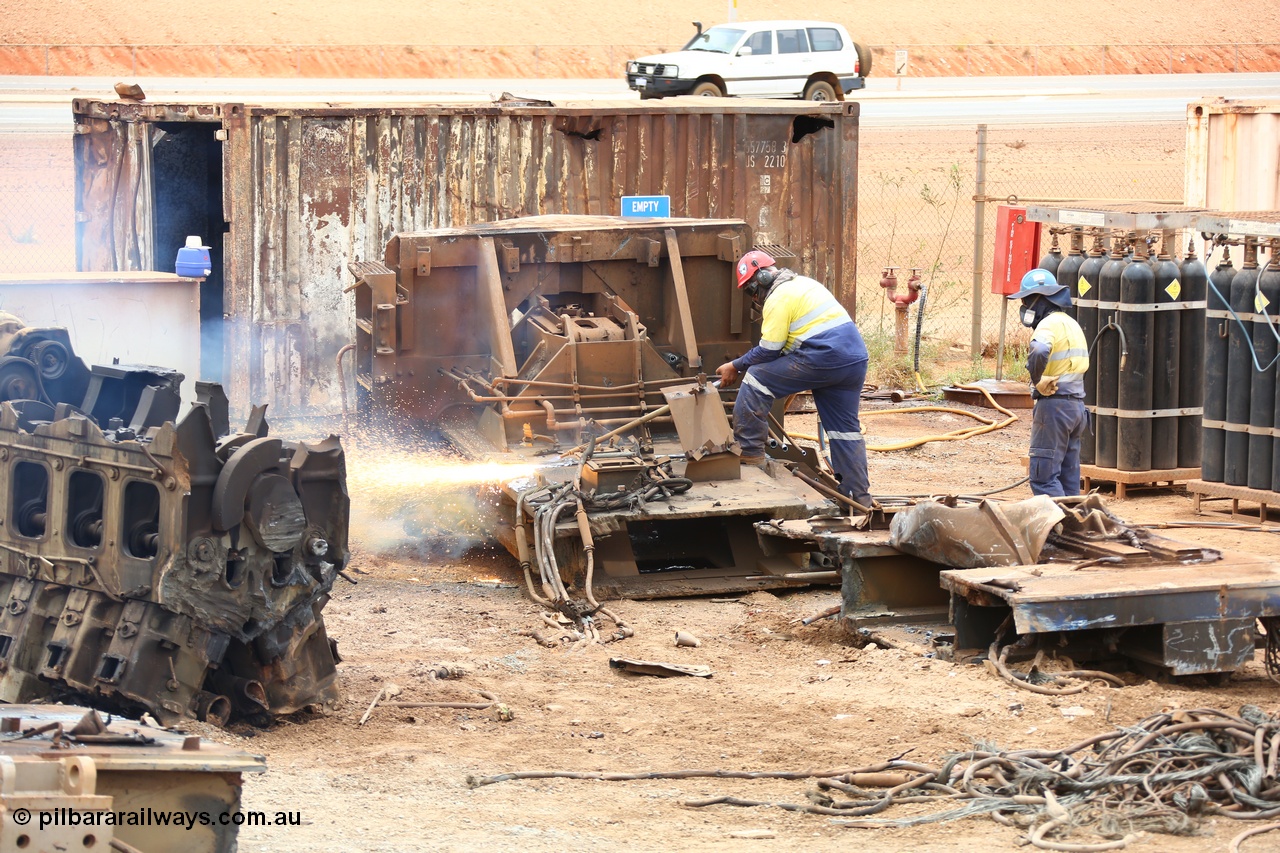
[(1040, 282)]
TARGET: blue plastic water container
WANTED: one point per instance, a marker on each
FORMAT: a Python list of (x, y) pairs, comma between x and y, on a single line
[(193, 260)]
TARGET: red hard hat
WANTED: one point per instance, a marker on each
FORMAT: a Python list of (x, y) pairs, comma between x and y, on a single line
[(749, 263)]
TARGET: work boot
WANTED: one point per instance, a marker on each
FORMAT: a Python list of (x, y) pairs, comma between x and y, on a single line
[(758, 461)]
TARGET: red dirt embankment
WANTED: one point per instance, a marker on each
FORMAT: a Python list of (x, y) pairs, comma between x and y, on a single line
[(581, 38), (602, 61)]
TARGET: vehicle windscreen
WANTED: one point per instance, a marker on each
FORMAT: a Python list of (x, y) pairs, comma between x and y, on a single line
[(716, 40)]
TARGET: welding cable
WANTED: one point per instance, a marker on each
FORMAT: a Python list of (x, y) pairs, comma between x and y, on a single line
[(1124, 344), (551, 569), (588, 545), (522, 549), (967, 496)]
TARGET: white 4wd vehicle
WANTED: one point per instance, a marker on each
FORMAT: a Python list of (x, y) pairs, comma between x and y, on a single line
[(762, 59)]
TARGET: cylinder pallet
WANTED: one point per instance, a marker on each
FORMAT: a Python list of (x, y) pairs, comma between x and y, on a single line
[(1165, 477), (1203, 489)]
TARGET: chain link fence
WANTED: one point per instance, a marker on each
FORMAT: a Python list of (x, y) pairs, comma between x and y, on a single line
[(920, 207), (37, 203)]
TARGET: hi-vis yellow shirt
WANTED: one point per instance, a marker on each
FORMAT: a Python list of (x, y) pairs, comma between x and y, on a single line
[(796, 310), (1068, 350)]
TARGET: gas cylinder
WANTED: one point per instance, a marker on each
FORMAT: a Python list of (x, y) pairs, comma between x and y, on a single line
[(1134, 400), (1053, 259), (1240, 368), (1084, 292), (1213, 456), (1109, 353), (1262, 396), (1193, 276), (1069, 269), (1166, 337)]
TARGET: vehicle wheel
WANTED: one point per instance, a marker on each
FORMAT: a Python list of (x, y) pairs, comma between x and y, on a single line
[(648, 96), (707, 90), (819, 90), (864, 59)]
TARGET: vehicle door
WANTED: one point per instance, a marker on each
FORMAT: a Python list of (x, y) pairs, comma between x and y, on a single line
[(829, 52), (752, 65), (794, 62)]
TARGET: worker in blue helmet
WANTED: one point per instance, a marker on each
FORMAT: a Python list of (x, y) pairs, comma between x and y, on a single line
[(1057, 361)]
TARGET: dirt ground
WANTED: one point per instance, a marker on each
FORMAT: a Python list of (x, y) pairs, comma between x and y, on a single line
[(782, 697)]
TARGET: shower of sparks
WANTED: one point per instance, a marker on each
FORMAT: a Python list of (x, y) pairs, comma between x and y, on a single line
[(398, 473)]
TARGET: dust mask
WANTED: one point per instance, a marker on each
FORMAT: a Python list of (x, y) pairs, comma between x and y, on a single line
[(1029, 318)]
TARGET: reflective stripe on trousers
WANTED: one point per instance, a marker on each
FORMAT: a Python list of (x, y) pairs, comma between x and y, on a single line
[(1057, 426), (837, 392)]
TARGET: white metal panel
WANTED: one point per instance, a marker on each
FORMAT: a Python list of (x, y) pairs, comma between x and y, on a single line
[(136, 317)]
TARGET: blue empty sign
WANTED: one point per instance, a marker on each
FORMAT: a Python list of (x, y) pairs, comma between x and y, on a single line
[(646, 205)]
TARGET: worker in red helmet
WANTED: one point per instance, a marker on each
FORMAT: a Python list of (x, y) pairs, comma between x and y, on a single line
[(807, 343)]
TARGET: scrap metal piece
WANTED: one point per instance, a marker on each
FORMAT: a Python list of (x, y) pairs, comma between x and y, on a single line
[(662, 670), (88, 790), (974, 536)]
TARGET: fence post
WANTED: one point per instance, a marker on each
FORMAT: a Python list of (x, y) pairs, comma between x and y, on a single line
[(979, 242)]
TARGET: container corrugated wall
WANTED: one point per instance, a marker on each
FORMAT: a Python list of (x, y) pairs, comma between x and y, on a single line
[(305, 191), (1233, 154)]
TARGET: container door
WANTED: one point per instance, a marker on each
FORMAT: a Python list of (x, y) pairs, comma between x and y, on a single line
[(141, 189), (115, 207)]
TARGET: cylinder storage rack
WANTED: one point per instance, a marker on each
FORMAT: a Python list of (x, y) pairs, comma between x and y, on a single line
[(1241, 432), (1138, 291)]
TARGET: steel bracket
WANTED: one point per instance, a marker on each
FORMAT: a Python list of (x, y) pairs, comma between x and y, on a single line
[(510, 258), (650, 252)]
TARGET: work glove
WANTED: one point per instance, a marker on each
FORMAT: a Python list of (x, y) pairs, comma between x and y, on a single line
[(1047, 386)]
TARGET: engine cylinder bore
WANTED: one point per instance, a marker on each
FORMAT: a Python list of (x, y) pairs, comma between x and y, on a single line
[(1216, 347), (1240, 369), (1134, 394), (1084, 293), (144, 539), (1194, 277), (1109, 354), (1166, 368)]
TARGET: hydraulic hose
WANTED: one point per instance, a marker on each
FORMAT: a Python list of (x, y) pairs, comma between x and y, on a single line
[(988, 424)]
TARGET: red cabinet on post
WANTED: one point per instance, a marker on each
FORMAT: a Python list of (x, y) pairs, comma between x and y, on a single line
[(1017, 242)]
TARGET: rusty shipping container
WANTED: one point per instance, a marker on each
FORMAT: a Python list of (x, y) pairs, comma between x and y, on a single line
[(1233, 154), (287, 196)]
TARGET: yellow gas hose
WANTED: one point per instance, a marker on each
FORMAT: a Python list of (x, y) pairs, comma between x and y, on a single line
[(988, 424)]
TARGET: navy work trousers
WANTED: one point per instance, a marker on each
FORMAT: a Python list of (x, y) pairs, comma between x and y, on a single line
[(1057, 425), (837, 391)]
